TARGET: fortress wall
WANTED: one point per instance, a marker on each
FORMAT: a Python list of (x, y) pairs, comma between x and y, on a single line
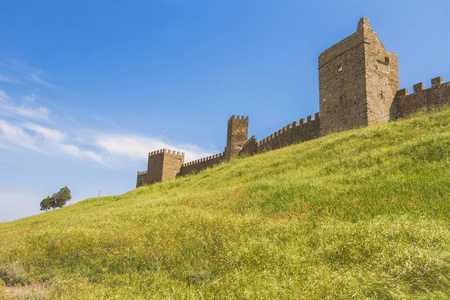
[(291, 134), (155, 166), (237, 135), (200, 164), (249, 148), (358, 86), (141, 178), (172, 163), (405, 104), (162, 165)]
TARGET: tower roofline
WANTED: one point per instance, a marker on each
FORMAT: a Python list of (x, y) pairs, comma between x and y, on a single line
[(363, 23)]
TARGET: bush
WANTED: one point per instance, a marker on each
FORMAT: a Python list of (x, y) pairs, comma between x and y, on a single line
[(13, 275)]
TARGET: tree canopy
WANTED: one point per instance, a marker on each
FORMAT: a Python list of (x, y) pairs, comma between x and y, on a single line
[(58, 199)]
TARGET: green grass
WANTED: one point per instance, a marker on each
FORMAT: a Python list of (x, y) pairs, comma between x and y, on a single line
[(357, 214)]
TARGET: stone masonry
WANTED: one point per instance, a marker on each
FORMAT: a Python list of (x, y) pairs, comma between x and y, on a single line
[(237, 135), (358, 86), (358, 79), (163, 165), (405, 104)]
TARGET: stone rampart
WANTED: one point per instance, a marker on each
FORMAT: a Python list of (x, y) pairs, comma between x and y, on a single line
[(404, 104), (249, 147), (141, 178), (162, 165), (237, 135), (200, 164), (296, 132)]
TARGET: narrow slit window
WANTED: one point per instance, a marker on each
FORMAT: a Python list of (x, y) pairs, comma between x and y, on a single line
[(386, 59)]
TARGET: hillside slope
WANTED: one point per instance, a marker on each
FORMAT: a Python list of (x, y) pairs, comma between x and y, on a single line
[(362, 214)]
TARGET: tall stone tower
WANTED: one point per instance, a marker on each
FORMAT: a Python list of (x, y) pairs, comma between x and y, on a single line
[(358, 79), (237, 135)]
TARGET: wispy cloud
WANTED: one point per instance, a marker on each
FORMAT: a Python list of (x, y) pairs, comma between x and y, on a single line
[(54, 141), (43, 140), (26, 126), (36, 77), (105, 121), (137, 147), (77, 152), (26, 109), (14, 137), (9, 80), (52, 135), (18, 72)]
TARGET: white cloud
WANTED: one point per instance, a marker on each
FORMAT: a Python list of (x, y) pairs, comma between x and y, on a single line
[(3, 96), (17, 69), (35, 77), (22, 128), (7, 79), (76, 151), (29, 98), (41, 139), (32, 113), (8, 106), (106, 149), (53, 135), (13, 137), (137, 147), (134, 147)]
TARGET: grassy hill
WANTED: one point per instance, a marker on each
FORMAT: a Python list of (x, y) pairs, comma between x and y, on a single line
[(357, 214)]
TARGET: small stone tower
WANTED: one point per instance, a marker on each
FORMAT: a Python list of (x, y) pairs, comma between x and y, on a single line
[(162, 165), (237, 135), (358, 79)]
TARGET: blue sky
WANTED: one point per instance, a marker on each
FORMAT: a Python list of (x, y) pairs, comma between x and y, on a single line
[(88, 88)]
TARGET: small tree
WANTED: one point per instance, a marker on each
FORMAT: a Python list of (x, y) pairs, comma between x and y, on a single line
[(58, 199), (46, 204)]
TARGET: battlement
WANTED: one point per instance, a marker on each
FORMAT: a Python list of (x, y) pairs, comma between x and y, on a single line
[(420, 87), (237, 135), (166, 151), (233, 117), (205, 159), (405, 103), (200, 164), (141, 178), (297, 131)]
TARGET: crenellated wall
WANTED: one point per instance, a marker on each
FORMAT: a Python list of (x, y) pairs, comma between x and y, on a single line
[(167, 165), (358, 86), (296, 132), (162, 165), (404, 104), (200, 164), (141, 178)]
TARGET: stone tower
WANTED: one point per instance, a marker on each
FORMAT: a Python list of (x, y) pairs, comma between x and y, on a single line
[(162, 165), (358, 79), (237, 135)]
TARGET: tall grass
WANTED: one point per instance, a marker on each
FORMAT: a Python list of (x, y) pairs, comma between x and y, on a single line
[(358, 214)]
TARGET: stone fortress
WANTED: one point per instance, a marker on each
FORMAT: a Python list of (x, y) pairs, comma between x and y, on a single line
[(358, 86)]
